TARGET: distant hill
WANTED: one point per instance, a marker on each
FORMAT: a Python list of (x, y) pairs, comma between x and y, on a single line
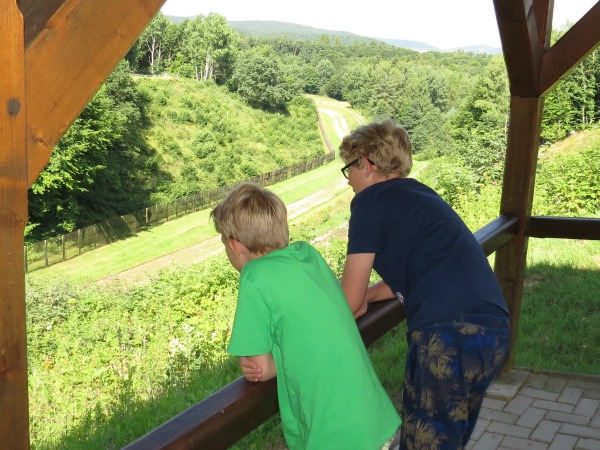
[(269, 29)]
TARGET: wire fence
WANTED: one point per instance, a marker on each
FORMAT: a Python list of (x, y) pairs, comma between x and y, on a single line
[(61, 248)]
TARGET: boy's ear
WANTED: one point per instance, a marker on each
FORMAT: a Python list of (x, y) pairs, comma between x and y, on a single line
[(235, 246)]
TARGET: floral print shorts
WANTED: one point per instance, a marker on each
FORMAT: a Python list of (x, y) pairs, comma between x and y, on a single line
[(449, 366)]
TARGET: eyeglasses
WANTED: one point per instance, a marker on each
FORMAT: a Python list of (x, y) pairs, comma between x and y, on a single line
[(346, 169)]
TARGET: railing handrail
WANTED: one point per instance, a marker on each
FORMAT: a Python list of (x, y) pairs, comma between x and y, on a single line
[(223, 418)]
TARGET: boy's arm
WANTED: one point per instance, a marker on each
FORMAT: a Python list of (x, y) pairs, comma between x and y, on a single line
[(259, 367), (355, 280)]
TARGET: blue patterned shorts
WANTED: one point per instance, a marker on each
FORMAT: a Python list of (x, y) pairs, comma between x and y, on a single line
[(449, 366)]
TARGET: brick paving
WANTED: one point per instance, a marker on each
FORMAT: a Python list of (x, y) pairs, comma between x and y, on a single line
[(540, 411)]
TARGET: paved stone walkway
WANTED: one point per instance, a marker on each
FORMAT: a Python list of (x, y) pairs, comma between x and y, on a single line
[(540, 411)]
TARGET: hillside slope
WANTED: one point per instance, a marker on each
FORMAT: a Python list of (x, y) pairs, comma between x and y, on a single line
[(203, 136)]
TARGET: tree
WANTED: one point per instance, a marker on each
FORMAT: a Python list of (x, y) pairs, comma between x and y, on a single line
[(259, 78), (94, 171), (208, 48), (151, 42), (480, 126)]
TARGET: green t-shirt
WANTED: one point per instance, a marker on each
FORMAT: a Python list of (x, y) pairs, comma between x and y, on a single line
[(291, 305)]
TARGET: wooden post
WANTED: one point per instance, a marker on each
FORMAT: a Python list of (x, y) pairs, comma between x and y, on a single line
[(14, 413), (517, 198)]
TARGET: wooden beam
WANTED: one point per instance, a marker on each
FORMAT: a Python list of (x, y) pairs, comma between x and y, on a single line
[(497, 233), (523, 40), (67, 62), (517, 198), (570, 49), (14, 413), (564, 227), (36, 15)]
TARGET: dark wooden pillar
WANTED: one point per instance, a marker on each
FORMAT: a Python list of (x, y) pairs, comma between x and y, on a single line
[(517, 198), (14, 414)]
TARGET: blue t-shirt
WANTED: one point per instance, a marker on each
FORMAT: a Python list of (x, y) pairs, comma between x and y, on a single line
[(424, 252)]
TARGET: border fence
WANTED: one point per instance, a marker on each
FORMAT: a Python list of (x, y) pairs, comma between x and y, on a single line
[(61, 248)]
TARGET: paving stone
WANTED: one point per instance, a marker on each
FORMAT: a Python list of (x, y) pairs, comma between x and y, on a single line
[(557, 416), (586, 407), (590, 393), (536, 380), (489, 441), (519, 404), (509, 430), (555, 385), (579, 431), (588, 444), (522, 444), (507, 386), (584, 384), (545, 431), (479, 429), (531, 417), (570, 395), (563, 442), (493, 403), (539, 394), (553, 406), (595, 422), (491, 414)]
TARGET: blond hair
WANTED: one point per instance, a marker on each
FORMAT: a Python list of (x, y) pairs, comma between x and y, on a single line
[(385, 143), (253, 216)]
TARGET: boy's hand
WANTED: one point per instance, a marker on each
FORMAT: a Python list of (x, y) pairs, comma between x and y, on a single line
[(252, 371), (259, 367)]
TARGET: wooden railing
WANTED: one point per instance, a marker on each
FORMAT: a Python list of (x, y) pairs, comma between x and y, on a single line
[(222, 419), (564, 227)]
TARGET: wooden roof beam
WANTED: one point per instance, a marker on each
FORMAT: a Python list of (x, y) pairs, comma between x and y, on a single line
[(524, 30), (67, 61), (570, 49)]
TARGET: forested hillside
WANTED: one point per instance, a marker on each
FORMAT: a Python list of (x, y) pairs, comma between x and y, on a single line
[(232, 106)]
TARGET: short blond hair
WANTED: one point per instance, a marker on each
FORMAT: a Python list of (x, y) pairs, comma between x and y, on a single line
[(253, 216), (385, 143)]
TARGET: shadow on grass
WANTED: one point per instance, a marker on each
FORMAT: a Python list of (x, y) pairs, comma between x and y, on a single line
[(560, 320), (128, 419)]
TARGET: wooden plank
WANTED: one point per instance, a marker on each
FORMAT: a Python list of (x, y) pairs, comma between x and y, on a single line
[(564, 227), (497, 233), (569, 50), (517, 198), (14, 413), (225, 417), (521, 44), (68, 61)]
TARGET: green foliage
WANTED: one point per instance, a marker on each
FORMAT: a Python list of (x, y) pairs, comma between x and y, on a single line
[(568, 183), (451, 180), (222, 140), (92, 351), (480, 126), (258, 77), (97, 168)]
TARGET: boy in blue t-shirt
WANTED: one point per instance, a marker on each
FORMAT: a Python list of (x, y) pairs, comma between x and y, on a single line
[(458, 329), (292, 321)]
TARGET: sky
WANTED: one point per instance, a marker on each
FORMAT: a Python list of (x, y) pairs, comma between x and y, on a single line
[(442, 23)]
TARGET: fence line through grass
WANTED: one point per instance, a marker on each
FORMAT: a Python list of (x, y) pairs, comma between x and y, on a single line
[(61, 248)]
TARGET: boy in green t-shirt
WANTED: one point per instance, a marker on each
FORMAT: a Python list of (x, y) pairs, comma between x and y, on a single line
[(293, 321)]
